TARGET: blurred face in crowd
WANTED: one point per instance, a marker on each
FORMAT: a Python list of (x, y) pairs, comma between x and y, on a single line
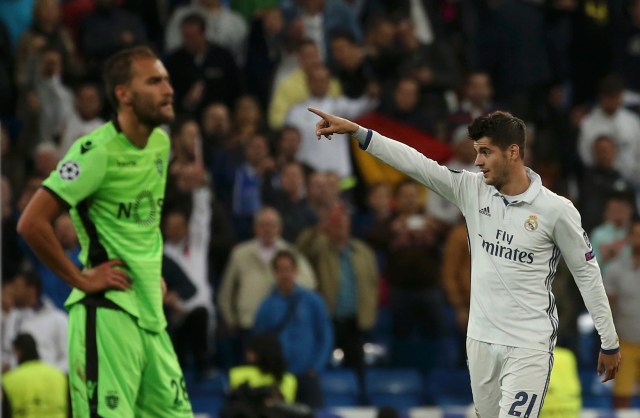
[(464, 151), (618, 212), (285, 271), (292, 178), (610, 103), (46, 159), (65, 232), (149, 92), (309, 57), (256, 150), (380, 198), (317, 187), (408, 199), (383, 34), (345, 53), (605, 152), (215, 120), (333, 185), (267, 226), (194, 39), (7, 198), (7, 297), (176, 227), (50, 64), (406, 95), (88, 102), (47, 15), (289, 143), (478, 89), (338, 225), (634, 237), (247, 111), (23, 294), (272, 21), (186, 141), (319, 80)]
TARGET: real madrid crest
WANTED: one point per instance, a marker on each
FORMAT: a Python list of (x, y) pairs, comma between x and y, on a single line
[(531, 224)]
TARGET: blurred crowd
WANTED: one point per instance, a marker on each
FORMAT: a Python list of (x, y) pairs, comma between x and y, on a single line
[(269, 230)]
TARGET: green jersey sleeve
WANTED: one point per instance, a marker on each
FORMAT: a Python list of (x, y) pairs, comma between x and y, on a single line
[(80, 173)]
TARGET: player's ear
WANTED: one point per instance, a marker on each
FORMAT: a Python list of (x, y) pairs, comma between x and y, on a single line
[(123, 94)]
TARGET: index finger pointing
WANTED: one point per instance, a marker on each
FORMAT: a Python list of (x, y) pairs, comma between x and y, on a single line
[(318, 112)]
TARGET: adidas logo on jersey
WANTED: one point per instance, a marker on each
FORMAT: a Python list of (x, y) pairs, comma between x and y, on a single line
[(485, 211)]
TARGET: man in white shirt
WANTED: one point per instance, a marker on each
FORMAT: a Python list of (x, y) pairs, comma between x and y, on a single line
[(37, 316), (517, 231)]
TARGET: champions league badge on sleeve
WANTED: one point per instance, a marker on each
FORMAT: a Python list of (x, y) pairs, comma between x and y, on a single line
[(69, 170), (531, 224)]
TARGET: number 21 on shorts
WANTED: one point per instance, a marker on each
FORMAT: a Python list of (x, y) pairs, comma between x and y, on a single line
[(522, 399)]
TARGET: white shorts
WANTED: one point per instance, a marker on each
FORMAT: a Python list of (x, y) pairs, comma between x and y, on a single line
[(508, 381)]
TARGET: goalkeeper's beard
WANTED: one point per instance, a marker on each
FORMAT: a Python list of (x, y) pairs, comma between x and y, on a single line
[(150, 114)]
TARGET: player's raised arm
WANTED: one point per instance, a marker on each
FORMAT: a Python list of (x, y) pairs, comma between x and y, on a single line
[(446, 183)]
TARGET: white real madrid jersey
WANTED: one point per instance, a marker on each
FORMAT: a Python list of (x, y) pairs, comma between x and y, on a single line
[(515, 247)]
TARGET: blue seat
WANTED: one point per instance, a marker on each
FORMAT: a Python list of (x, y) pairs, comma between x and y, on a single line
[(594, 393), (449, 387), (397, 388), (340, 388), (207, 395)]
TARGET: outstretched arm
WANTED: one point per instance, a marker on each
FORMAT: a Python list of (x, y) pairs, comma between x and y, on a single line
[(331, 124)]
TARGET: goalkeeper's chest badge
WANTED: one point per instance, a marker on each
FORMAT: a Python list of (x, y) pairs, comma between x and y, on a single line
[(531, 224)]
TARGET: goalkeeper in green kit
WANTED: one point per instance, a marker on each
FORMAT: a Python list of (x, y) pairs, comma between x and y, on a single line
[(121, 360)]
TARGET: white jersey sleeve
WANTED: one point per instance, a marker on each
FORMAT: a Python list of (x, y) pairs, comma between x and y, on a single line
[(577, 252), (447, 183)]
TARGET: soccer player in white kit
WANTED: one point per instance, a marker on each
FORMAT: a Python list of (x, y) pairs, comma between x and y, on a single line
[(517, 231)]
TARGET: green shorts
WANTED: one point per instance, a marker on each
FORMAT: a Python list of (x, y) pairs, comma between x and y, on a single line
[(117, 369)]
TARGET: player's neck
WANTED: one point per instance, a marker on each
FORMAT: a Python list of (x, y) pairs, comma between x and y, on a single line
[(135, 131), (518, 183)]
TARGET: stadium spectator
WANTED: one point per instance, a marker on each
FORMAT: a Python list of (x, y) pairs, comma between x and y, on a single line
[(288, 146), (37, 316), (456, 274), (106, 30), (248, 119), (11, 254), (626, 56), (325, 156), (370, 224), (476, 99), (34, 388), (13, 154), (45, 159), (225, 27), (351, 64), (17, 17), (265, 49), (294, 87), (216, 129), (623, 289), (609, 237), (609, 118), (563, 395), (85, 116), (404, 106), (202, 72), (248, 278), (347, 280), (599, 181), (299, 317), (46, 31), (266, 367), (290, 201), (321, 194)]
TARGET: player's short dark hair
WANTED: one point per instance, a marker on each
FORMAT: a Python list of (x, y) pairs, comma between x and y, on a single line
[(611, 85), (502, 128), (31, 279), (26, 345), (117, 70), (280, 254), (195, 19)]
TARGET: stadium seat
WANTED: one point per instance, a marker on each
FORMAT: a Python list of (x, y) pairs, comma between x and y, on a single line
[(397, 388), (595, 394), (340, 388), (449, 387), (207, 395)]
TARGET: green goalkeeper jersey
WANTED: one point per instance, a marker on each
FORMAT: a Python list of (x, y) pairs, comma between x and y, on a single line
[(115, 192)]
